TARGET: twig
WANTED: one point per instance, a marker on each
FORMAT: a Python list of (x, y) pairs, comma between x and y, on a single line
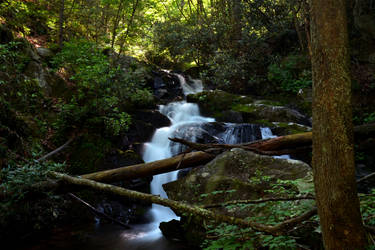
[(97, 212), (56, 150), (370, 228), (366, 177), (235, 202)]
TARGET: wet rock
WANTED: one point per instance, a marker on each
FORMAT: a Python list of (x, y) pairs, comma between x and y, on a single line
[(152, 116), (235, 170), (45, 53), (282, 128), (172, 230), (226, 107), (35, 70), (253, 112), (231, 116), (213, 103), (143, 126), (166, 86)]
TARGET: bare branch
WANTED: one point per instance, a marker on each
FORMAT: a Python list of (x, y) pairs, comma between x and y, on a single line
[(236, 202)]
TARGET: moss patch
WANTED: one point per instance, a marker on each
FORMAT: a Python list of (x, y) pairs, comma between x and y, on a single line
[(214, 102)]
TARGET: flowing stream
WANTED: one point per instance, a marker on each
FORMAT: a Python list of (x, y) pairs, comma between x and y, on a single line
[(186, 123), (181, 114)]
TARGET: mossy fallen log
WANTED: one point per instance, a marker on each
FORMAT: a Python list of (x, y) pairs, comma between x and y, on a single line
[(181, 207)]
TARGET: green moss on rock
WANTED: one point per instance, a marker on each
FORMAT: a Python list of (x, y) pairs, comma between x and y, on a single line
[(216, 101)]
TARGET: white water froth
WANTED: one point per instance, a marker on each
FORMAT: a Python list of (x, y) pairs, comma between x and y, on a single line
[(195, 87), (266, 134), (160, 147)]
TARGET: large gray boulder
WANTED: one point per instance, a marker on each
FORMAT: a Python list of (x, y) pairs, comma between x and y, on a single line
[(257, 111), (240, 175), (45, 52), (247, 173)]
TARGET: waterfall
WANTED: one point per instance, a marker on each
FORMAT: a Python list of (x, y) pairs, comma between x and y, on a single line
[(187, 123), (181, 115), (240, 133), (266, 134)]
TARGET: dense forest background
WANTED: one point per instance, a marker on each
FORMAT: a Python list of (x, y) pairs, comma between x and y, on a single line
[(83, 73)]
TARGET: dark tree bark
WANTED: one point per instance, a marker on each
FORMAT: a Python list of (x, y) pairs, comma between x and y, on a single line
[(333, 153)]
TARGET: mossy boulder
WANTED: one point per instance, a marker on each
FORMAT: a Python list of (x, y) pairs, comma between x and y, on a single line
[(283, 128), (241, 175), (234, 170), (253, 112), (213, 103), (227, 107)]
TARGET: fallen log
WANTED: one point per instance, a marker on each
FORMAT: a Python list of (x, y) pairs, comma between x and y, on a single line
[(279, 145), (275, 146), (282, 142), (151, 168), (257, 146), (180, 207)]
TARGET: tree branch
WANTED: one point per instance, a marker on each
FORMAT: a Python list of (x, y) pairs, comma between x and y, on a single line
[(56, 150), (235, 202), (180, 207)]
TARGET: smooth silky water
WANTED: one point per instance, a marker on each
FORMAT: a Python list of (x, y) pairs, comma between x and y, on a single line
[(186, 122)]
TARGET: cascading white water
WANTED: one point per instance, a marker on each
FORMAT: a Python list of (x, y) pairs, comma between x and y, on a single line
[(186, 121), (195, 87), (266, 134), (160, 147)]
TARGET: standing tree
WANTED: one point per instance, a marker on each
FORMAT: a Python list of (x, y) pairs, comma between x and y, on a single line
[(61, 23), (333, 154)]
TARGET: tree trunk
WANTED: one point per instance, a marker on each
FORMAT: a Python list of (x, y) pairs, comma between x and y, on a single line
[(333, 154), (148, 169), (116, 22)]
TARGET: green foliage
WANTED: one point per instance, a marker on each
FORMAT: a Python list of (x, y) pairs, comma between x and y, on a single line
[(11, 59), (103, 91), (25, 16), (23, 93), (362, 117), (88, 154), (89, 67), (226, 236), (367, 202), (16, 180), (291, 74), (369, 117), (279, 242)]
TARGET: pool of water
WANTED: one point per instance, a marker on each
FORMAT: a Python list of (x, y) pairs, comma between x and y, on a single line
[(104, 237)]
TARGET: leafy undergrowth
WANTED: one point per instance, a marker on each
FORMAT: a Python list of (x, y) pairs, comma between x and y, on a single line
[(308, 234)]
